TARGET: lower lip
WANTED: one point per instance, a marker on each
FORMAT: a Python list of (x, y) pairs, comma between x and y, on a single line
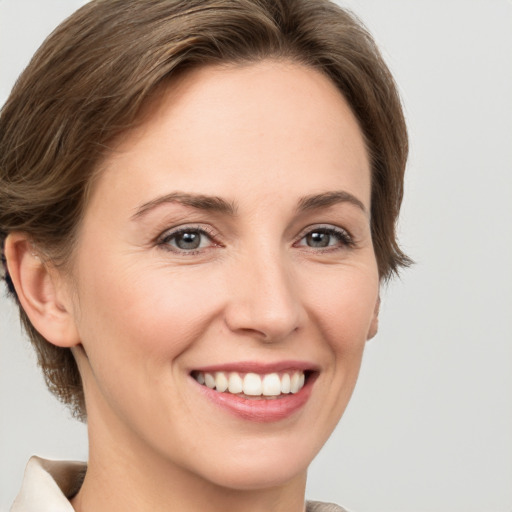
[(260, 410)]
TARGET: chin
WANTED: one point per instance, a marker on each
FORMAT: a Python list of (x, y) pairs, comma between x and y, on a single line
[(263, 465), (249, 477)]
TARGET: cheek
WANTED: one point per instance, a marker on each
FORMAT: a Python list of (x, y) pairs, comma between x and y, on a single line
[(344, 304), (153, 313), (134, 328), (139, 312)]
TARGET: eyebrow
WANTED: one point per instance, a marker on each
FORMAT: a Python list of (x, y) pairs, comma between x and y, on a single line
[(327, 199), (198, 201), (220, 205)]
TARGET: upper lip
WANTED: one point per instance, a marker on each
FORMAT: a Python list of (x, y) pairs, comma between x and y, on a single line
[(258, 367)]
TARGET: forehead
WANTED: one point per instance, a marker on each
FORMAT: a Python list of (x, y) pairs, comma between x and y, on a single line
[(216, 126)]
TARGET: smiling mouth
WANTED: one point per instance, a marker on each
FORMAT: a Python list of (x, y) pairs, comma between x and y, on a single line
[(253, 385)]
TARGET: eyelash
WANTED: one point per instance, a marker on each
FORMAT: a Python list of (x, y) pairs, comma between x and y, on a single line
[(345, 240), (165, 239)]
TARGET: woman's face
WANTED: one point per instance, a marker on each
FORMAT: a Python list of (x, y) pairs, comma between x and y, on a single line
[(227, 243)]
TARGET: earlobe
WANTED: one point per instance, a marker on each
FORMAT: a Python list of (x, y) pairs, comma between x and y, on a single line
[(41, 292), (374, 325)]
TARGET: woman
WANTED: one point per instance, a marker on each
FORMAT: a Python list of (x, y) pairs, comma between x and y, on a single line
[(198, 204)]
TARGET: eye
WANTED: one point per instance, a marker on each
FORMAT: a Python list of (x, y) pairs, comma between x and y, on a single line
[(326, 237), (187, 240)]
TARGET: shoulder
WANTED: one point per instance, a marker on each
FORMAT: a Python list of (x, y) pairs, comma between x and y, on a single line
[(317, 506)]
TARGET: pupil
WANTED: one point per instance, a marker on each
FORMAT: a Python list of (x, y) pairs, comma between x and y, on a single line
[(188, 241), (318, 239)]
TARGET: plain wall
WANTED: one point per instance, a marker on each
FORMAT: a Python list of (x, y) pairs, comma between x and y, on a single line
[(429, 428)]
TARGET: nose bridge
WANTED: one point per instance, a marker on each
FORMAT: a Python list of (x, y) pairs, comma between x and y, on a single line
[(265, 301)]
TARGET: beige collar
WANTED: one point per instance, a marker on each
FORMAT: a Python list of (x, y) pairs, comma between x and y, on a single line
[(48, 484)]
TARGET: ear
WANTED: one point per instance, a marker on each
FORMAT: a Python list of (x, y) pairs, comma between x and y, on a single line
[(41, 291), (374, 325)]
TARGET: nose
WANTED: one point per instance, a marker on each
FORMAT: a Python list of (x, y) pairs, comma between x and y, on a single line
[(264, 298)]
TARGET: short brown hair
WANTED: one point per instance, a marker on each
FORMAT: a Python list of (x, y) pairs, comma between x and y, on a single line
[(90, 79)]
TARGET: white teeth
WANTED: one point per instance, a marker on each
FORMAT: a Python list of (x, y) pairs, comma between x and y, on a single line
[(235, 383), (271, 385), (209, 380), (221, 382), (252, 384), (295, 383), (285, 383)]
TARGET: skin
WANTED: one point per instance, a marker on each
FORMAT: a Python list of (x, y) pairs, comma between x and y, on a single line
[(140, 313)]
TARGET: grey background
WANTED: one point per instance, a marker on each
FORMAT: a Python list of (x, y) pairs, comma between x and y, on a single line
[(429, 428)]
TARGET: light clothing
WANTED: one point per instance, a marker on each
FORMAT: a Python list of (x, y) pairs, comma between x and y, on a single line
[(48, 484)]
